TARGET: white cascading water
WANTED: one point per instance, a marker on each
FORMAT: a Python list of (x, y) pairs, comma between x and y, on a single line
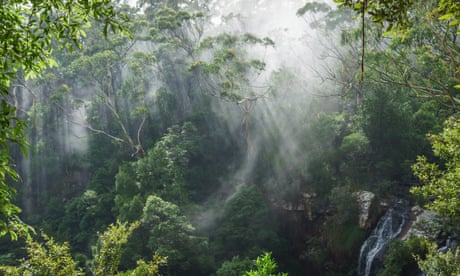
[(387, 229)]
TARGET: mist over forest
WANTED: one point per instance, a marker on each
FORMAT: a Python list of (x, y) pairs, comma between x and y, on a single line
[(238, 137)]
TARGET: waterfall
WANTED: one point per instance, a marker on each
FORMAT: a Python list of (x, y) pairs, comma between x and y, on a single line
[(387, 229)]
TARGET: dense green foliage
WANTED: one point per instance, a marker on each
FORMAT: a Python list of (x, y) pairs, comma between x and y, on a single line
[(440, 264), (401, 258), (30, 30), (397, 13), (108, 250), (53, 258), (442, 181), (235, 267), (433, 74), (49, 259), (247, 227), (189, 143), (265, 266)]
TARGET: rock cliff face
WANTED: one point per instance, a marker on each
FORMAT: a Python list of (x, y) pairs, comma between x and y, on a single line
[(365, 200), (388, 228), (324, 244), (305, 204)]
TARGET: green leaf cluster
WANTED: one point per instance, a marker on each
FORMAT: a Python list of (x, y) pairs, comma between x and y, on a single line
[(440, 264), (228, 72), (108, 251), (247, 226), (160, 172), (401, 256), (172, 235), (442, 182), (235, 267), (11, 132), (395, 13), (50, 258), (29, 31), (265, 266)]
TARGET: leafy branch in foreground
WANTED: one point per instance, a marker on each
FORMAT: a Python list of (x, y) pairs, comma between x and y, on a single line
[(442, 191), (108, 252), (266, 266), (30, 30), (442, 184), (440, 264), (52, 258)]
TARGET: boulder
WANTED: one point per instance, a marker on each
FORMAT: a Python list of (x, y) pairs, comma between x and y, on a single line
[(423, 223)]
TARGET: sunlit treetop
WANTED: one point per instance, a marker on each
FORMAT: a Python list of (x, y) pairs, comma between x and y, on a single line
[(393, 12), (396, 14)]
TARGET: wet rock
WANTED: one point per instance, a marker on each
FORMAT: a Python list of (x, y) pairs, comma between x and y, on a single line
[(390, 225)]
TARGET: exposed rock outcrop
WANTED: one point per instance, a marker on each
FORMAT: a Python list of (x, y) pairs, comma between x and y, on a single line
[(423, 224), (365, 201), (305, 204)]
